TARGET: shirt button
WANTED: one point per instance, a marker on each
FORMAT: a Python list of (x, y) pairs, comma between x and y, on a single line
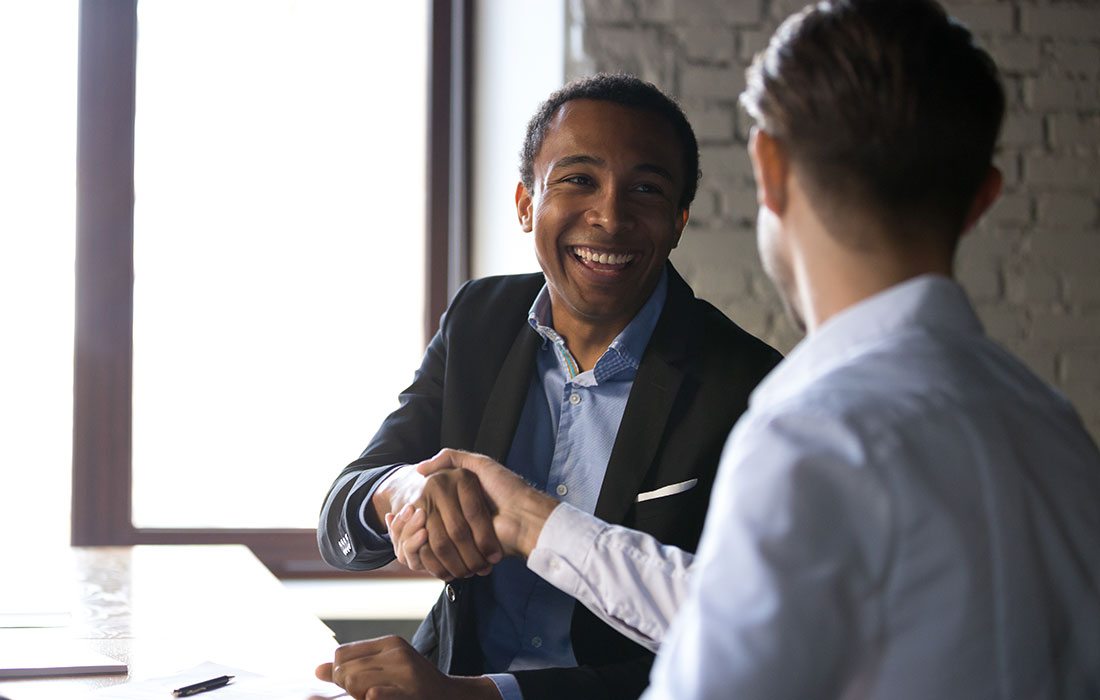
[(574, 399), (562, 489), (536, 642), (450, 593)]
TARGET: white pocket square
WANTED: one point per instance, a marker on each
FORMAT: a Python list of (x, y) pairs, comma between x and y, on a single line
[(670, 490)]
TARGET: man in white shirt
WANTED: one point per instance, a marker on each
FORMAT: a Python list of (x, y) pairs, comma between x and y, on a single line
[(905, 511)]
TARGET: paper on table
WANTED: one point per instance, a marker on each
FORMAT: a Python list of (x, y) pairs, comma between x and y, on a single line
[(245, 686)]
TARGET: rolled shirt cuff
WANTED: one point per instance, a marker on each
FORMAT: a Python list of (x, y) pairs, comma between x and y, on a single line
[(507, 685)]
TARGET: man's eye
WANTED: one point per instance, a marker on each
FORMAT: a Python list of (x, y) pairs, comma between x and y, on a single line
[(648, 188), (578, 179)]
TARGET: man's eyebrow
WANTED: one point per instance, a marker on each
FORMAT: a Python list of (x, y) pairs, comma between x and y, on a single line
[(579, 159), (656, 170), (582, 159)]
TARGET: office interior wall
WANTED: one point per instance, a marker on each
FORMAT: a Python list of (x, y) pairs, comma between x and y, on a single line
[(519, 59), (1032, 265)]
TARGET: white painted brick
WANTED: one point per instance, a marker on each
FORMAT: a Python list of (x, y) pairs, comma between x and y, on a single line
[(985, 19), (656, 11), (739, 204), (1082, 366), (705, 207), (1073, 130), (711, 82), (1016, 54), (711, 124), (713, 11), (1083, 287), (725, 166), (1032, 284), (1022, 130), (1069, 329), (641, 51), (1067, 252), (1066, 210), (1011, 209), (1066, 172), (707, 43), (1003, 323), (1060, 20), (751, 41), (1008, 161), (1061, 93), (1075, 57), (600, 11), (981, 279)]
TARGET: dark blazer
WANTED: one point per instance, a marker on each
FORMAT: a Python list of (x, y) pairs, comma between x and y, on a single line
[(693, 383)]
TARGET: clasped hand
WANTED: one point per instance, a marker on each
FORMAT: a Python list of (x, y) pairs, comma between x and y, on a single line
[(471, 512)]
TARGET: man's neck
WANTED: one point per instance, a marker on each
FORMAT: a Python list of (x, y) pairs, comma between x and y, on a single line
[(831, 276), (587, 341)]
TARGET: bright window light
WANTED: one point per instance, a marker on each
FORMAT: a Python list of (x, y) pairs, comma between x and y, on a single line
[(278, 249), (38, 43)]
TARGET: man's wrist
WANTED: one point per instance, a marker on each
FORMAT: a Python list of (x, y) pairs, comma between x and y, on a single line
[(531, 511), (477, 688), (388, 497)]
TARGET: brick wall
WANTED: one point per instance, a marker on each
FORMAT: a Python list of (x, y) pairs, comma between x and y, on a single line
[(1033, 264)]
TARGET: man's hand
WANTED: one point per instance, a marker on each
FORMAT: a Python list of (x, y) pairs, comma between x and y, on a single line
[(389, 668), (457, 520), (519, 511)]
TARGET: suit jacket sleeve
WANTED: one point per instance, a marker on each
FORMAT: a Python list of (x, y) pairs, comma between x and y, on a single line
[(410, 434)]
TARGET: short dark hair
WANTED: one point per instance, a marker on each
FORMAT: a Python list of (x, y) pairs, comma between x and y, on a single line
[(621, 89), (889, 103)]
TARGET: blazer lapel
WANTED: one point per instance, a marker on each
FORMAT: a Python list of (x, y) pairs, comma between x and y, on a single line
[(505, 403), (656, 386)]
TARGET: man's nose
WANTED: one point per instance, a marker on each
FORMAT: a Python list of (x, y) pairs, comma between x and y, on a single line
[(610, 211)]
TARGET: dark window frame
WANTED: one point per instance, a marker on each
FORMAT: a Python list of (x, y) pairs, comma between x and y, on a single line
[(103, 359)]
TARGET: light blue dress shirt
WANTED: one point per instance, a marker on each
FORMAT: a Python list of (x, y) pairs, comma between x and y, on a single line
[(562, 444)]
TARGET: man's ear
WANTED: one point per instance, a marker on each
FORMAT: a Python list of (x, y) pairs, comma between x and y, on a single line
[(523, 207), (681, 222), (770, 166), (987, 193)]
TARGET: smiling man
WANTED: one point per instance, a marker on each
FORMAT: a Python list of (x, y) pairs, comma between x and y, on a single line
[(602, 380)]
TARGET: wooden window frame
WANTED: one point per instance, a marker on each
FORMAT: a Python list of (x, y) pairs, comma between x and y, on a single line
[(103, 361)]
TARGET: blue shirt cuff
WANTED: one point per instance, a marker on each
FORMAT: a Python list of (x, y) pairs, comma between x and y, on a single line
[(507, 685)]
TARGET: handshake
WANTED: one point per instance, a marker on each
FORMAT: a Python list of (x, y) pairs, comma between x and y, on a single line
[(458, 513)]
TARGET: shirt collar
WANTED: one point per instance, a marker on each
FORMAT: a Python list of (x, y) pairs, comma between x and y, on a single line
[(930, 302), (629, 345)]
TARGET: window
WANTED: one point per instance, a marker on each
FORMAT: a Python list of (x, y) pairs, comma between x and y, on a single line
[(37, 170), (235, 204)]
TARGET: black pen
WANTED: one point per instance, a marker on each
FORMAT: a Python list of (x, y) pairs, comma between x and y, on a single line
[(202, 686)]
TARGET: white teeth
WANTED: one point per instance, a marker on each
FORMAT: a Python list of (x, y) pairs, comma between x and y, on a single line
[(590, 255)]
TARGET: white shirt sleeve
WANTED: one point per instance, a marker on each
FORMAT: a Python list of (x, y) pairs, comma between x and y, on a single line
[(795, 547), (627, 578)]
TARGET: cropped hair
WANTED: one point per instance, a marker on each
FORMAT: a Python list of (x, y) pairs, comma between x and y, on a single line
[(886, 104), (620, 89)]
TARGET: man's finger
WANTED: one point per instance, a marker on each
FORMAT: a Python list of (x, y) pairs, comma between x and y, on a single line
[(324, 672), (430, 563), (480, 521), (442, 544), (438, 463)]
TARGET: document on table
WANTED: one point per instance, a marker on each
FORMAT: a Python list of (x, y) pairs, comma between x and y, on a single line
[(245, 686)]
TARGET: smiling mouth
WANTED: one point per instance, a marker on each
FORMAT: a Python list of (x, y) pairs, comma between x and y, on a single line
[(602, 260)]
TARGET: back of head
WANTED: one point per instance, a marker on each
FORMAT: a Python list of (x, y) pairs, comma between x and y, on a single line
[(627, 91), (883, 105)]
